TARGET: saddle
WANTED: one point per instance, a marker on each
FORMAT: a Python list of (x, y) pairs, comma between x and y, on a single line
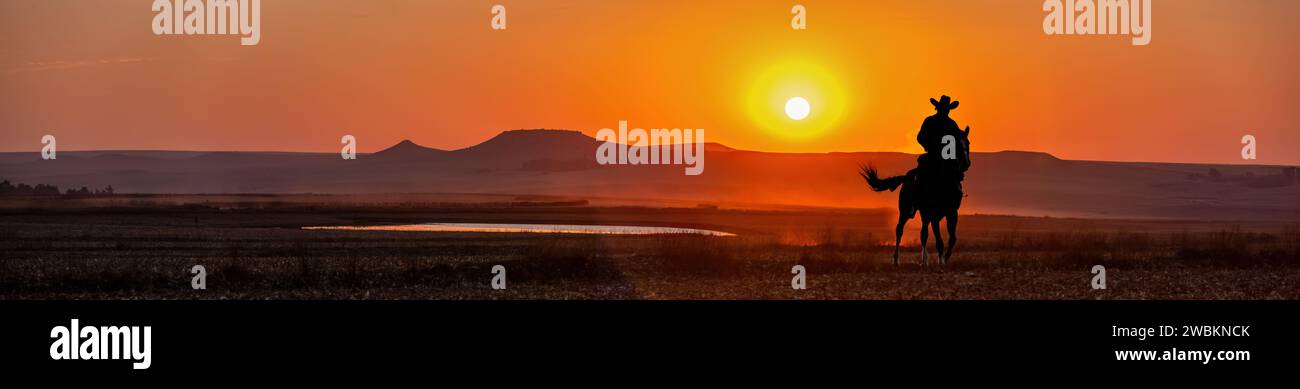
[(932, 172)]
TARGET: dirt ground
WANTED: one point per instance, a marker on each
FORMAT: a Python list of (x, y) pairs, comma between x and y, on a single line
[(254, 248)]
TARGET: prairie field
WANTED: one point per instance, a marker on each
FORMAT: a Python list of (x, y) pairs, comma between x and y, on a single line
[(254, 247)]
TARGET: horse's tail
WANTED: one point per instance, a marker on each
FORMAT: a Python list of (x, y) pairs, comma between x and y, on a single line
[(880, 184)]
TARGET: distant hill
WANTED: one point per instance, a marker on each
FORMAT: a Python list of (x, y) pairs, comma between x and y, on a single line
[(558, 162), (407, 151)]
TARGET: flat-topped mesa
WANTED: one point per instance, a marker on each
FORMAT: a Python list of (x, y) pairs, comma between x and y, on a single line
[(533, 144), (538, 138)]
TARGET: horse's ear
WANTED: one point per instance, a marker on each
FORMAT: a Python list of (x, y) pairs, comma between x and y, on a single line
[(967, 132)]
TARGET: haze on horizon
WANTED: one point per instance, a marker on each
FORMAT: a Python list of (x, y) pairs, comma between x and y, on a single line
[(92, 73)]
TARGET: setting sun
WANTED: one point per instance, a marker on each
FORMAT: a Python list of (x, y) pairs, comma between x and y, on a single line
[(782, 98), (797, 108)]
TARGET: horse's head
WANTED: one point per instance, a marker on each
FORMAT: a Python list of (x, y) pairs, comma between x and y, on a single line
[(965, 144)]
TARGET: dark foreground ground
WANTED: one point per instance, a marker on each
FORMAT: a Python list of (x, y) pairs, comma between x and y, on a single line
[(253, 248)]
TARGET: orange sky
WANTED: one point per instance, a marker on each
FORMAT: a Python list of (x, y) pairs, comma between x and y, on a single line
[(92, 73)]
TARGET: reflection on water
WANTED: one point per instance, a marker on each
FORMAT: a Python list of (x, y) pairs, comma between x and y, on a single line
[(535, 228)]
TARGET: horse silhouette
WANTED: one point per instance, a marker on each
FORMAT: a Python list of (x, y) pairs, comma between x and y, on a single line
[(933, 189)]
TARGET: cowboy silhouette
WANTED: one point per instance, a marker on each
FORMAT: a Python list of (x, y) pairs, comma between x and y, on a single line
[(932, 165), (933, 188)]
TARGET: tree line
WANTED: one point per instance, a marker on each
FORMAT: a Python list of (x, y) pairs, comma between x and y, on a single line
[(8, 189)]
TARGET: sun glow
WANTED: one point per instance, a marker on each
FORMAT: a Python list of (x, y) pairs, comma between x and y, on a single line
[(796, 100), (797, 108)]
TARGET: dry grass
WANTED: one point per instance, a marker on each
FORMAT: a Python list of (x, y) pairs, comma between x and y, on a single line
[(259, 253)]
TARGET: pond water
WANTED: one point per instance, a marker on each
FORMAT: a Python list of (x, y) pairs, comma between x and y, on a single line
[(531, 228)]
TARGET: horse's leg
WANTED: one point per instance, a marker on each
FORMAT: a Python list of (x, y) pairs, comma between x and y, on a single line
[(898, 234), (952, 234), (938, 241), (905, 213), (925, 237)]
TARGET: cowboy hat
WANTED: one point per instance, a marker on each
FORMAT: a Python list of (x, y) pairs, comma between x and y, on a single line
[(943, 103)]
